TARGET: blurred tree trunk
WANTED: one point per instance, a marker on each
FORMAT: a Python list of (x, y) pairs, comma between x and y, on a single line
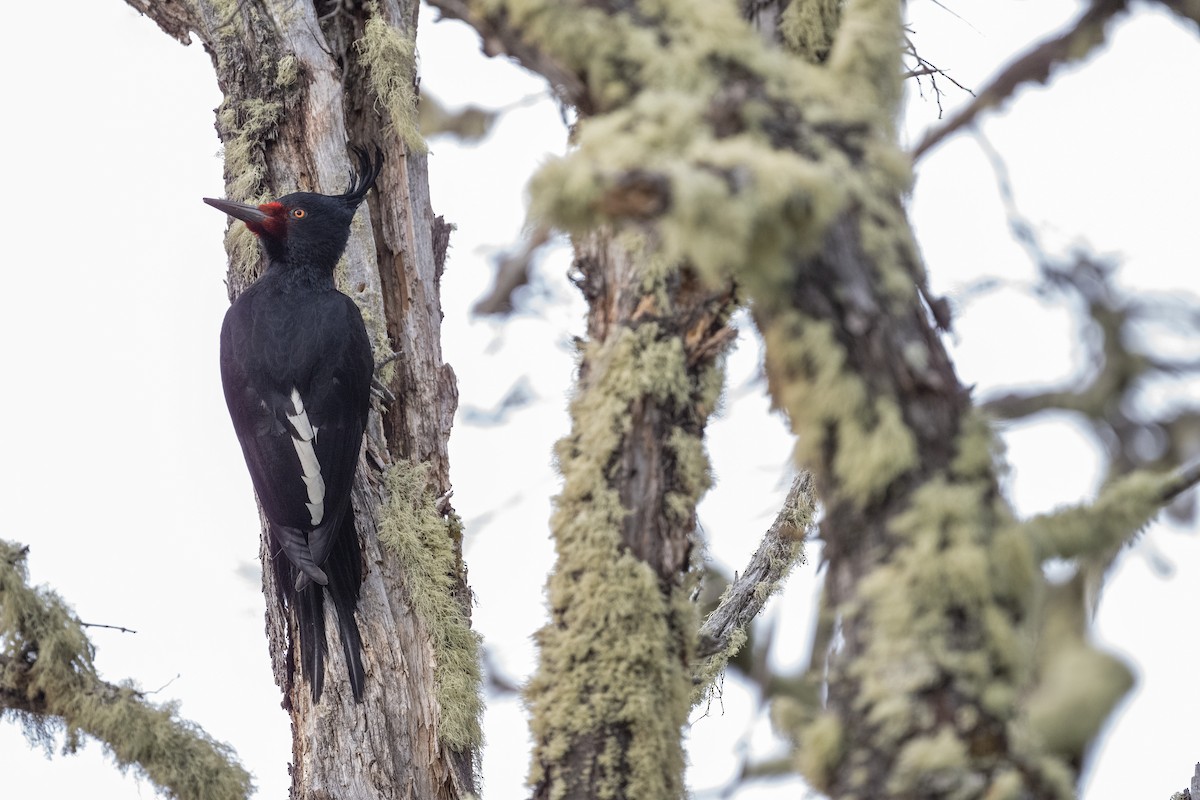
[(301, 81)]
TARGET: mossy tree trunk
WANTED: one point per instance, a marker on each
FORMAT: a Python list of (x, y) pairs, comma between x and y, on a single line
[(614, 682), (301, 81)]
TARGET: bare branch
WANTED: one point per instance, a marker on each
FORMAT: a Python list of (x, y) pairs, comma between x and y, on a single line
[(177, 20), (500, 38), (926, 68), (469, 124), (780, 550), (120, 628), (512, 272), (1189, 10), (1035, 65)]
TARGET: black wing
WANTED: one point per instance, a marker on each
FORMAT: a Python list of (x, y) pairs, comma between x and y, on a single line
[(297, 376)]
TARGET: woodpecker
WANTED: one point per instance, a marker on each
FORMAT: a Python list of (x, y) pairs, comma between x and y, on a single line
[(296, 366)]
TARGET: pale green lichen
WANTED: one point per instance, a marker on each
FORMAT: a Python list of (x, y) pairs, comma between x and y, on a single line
[(869, 458), (866, 54), (980, 453), (774, 204), (940, 573), (1078, 690), (808, 27), (1076, 685), (1006, 785), (610, 660), (1121, 510), (819, 749), (287, 71), (961, 604), (692, 472), (245, 128), (935, 766), (731, 200), (809, 379), (728, 200), (951, 609), (389, 56), (707, 676), (49, 665), (884, 231), (427, 546)]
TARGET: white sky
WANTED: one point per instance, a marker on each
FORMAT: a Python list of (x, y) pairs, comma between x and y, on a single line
[(123, 475)]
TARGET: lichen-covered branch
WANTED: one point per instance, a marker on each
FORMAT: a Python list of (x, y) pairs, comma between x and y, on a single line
[(612, 689), (1183, 480), (49, 683), (1122, 510), (781, 549), (1033, 66), (468, 124), (502, 37), (687, 116)]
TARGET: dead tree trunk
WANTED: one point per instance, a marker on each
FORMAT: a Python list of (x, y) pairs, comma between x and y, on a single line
[(301, 81)]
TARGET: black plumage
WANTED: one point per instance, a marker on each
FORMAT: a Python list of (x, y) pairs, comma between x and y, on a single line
[(296, 366)]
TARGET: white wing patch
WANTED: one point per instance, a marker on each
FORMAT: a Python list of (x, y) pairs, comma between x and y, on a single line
[(302, 440)]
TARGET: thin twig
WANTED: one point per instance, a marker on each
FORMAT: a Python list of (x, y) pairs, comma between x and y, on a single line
[(1019, 225), (120, 628), (954, 14), (1035, 65)]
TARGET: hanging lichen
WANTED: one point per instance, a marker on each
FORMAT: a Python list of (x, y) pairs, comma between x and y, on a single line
[(389, 56), (52, 686), (424, 542)]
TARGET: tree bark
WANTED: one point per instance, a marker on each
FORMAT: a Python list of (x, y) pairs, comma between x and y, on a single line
[(299, 86), (614, 683)]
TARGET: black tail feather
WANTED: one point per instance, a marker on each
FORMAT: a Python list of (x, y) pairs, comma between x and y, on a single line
[(310, 613), (344, 569)]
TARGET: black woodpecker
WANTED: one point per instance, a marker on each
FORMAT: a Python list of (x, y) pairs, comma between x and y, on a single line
[(296, 365)]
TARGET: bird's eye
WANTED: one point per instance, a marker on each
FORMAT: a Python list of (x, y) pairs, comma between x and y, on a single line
[(298, 213)]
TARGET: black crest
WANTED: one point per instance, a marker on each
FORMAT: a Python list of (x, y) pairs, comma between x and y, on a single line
[(363, 179)]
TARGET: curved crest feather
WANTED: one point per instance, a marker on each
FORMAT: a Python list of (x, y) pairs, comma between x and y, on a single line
[(363, 179)]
